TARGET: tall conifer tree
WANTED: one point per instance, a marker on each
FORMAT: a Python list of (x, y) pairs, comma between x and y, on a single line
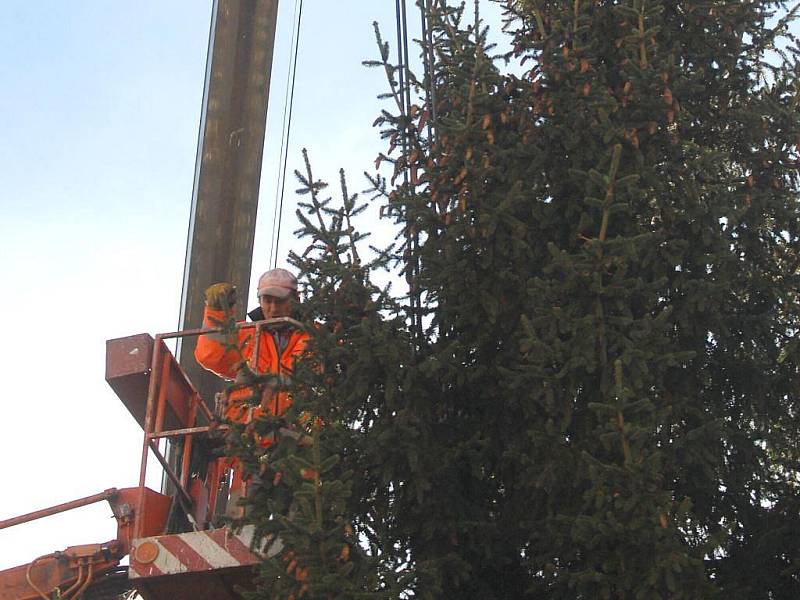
[(591, 390)]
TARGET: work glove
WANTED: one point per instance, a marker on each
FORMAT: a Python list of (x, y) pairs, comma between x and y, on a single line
[(221, 296)]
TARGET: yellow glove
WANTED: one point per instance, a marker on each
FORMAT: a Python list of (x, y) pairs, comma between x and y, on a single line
[(221, 296)]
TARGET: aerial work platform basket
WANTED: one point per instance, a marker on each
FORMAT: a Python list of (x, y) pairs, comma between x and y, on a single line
[(176, 547)]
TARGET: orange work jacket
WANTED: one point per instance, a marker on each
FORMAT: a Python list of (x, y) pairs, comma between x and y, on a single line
[(212, 354)]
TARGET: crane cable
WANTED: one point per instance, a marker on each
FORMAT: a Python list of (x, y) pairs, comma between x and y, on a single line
[(288, 104), (405, 101), (412, 239)]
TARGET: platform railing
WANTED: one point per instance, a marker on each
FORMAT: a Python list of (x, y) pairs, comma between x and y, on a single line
[(155, 411)]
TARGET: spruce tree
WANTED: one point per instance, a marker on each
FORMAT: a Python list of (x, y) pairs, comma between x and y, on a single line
[(591, 387)]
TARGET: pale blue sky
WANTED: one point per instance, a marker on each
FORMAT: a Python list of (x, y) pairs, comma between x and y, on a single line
[(99, 112)]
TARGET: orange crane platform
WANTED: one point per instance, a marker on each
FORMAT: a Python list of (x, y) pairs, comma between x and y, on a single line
[(175, 546)]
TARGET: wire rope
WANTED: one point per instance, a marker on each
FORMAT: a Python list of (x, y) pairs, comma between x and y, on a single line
[(399, 27), (412, 266), (430, 93), (288, 105)]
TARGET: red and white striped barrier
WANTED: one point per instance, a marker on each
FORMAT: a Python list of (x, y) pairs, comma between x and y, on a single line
[(196, 551)]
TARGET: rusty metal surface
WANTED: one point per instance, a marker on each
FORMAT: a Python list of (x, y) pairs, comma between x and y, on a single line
[(187, 431), (152, 520), (129, 355), (228, 167), (263, 323), (198, 565), (122, 502), (127, 371), (71, 571), (167, 386), (128, 368), (149, 417)]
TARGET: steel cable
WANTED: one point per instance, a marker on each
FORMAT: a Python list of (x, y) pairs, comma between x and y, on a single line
[(288, 105)]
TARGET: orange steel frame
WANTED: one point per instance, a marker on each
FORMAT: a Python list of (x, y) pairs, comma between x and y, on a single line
[(77, 566), (87, 559), (154, 419)]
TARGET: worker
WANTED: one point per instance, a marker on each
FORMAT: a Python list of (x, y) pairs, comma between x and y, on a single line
[(278, 348)]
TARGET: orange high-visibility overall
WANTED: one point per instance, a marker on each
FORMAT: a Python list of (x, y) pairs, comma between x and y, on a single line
[(212, 354)]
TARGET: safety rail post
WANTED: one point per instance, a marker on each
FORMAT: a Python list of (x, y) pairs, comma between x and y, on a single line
[(188, 442), (152, 431), (168, 433), (152, 388), (161, 403), (256, 348)]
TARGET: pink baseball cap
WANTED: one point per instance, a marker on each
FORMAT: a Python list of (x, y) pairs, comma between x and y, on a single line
[(277, 282)]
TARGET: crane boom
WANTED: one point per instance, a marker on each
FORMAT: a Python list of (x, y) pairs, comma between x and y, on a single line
[(228, 165)]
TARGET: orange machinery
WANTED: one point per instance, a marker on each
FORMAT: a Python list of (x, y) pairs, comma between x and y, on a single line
[(175, 551), (173, 548)]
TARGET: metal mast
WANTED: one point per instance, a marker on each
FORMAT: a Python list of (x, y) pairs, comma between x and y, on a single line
[(228, 165)]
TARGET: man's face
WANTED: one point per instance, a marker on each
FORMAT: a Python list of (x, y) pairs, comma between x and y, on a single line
[(274, 307)]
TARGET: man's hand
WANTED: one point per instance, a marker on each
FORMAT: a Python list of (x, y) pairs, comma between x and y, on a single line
[(221, 296)]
